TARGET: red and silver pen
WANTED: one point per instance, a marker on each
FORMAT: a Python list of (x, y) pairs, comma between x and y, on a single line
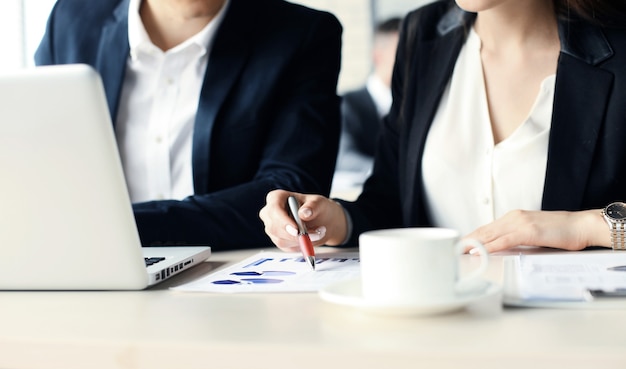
[(306, 246)]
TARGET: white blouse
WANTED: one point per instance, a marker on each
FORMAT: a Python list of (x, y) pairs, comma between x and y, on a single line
[(468, 180)]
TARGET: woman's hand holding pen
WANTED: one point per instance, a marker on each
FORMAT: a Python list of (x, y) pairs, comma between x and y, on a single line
[(324, 218)]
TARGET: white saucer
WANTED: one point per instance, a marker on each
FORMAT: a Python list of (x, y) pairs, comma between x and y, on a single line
[(348, 293)]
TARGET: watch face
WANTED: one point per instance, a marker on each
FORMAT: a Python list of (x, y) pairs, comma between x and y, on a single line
[(616, 210)]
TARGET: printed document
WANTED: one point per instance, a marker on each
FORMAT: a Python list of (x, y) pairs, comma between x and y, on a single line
[(278, 272), (563, 277)]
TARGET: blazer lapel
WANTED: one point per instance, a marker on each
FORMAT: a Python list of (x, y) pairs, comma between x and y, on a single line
[(227, 57), (113, 50), (581, 96), (432, 78)]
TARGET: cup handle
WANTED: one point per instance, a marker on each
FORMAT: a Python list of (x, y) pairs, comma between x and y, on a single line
[(470, 282)]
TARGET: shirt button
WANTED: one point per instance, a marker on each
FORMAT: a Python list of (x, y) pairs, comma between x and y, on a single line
[(158, 139), (486, 201)]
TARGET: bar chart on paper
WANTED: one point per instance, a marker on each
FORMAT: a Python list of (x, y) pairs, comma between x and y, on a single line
[(278, 272)]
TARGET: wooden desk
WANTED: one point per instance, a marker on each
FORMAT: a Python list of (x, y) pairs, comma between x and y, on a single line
[(159, 328)]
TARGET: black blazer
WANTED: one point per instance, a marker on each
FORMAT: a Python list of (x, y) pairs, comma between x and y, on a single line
[(586, 154), (268, 115)]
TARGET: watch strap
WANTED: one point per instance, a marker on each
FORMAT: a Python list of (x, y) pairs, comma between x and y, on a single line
[(618, 238)]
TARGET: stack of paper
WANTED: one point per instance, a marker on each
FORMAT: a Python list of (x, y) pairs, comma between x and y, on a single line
[(562, 279)]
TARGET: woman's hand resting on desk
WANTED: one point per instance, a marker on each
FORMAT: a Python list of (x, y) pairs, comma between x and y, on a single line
[(558, 229), (324, 219)]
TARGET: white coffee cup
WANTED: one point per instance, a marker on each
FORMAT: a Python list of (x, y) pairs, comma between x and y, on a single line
[(415, 266)]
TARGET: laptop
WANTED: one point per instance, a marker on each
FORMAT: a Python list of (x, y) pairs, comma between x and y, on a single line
[(66, 220)]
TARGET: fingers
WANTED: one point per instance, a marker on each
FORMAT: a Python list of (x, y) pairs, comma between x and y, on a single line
[(513, 229), (318, 234), (309, 204), (275, 218), (556, 229), (326, 218), (500, 244), (280, 226)]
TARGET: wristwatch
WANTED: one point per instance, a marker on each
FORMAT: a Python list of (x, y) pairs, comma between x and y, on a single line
[(615, 216)]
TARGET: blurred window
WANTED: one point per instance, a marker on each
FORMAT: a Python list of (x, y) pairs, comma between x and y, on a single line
[(22, 23)]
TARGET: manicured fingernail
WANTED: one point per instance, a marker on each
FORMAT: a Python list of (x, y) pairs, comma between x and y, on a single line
[(291, 230), (306, 212), (474, 251), (318, 234)]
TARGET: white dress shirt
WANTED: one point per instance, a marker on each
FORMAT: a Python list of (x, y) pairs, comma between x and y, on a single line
[(155, 121), (468, 180), (380, 93)]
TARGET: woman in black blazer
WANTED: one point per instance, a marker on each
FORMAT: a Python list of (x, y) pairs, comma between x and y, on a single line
[(574, 50)]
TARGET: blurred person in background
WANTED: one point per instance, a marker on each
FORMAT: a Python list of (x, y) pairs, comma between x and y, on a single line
[(363, 110)]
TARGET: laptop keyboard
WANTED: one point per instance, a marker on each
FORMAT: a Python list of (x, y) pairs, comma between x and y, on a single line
[(153, 260)]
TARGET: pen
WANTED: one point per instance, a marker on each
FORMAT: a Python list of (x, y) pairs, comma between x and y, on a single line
[(597, 293), (306, 246), (619, 268)]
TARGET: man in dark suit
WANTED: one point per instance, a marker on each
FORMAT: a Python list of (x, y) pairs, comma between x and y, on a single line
[(363, 109), (214, 102)]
